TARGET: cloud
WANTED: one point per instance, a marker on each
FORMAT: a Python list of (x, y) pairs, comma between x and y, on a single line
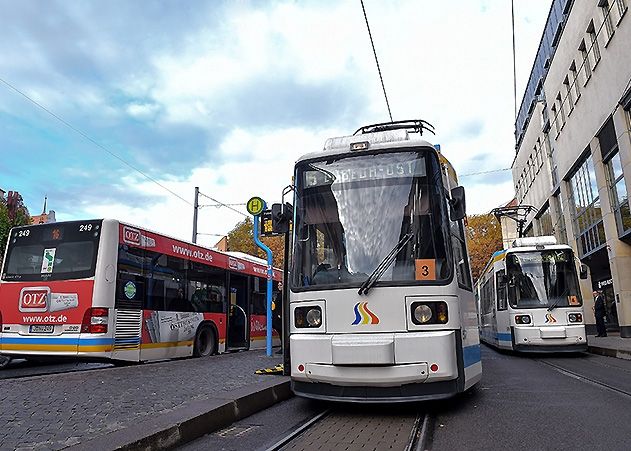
[(227, 95), (142, 110)]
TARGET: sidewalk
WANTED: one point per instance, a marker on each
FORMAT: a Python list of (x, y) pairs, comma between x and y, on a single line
[(147, 406), (611, 345)]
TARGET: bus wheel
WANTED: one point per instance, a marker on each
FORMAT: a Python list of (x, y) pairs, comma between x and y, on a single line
[(4, 361), (205, 342)]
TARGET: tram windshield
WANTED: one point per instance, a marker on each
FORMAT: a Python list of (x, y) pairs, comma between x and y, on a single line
[(542, 279), (352, 211)]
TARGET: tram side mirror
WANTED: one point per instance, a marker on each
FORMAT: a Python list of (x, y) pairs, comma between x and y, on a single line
[(583, 272), (457, 204), (281, 217)]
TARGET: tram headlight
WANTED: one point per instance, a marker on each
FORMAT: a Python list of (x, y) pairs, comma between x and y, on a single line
[(522, 319), (314, 317), (305, 317), (429, 313), (575, 317), (422, 313)]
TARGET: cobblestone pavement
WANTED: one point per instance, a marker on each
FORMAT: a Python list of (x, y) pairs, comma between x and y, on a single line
[(60, 410)]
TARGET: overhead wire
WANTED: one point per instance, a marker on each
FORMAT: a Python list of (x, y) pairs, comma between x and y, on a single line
[(484, 172), (512, 7), (372, 43), (93, 141), (225, 205)]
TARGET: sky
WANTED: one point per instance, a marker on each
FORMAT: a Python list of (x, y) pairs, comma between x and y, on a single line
[(142, 101)]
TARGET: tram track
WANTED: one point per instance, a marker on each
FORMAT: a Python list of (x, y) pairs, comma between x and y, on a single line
[(586, 379), (340, 429)]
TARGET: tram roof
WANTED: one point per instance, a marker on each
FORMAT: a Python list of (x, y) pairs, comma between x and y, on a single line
[(390, 139)]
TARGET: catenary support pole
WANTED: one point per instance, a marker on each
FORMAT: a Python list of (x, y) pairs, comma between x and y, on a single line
[(195, 208)]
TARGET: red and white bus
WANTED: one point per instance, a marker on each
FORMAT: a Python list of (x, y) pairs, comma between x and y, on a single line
[(102, 289)]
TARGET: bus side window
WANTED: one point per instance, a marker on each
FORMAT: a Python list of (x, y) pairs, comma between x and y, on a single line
[(500, 286), (130, 290), (258, 300), (206, 289)]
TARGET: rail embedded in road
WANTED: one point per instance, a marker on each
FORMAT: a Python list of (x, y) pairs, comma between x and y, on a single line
[(337, 429)]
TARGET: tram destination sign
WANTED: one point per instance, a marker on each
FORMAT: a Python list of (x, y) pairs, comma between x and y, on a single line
[(365, 172)]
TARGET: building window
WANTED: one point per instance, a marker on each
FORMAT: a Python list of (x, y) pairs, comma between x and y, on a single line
[(615, 177), (574, 74), (587, 65), (539, 151), (551, 158), (622, 7), (604, 7), (587, 216), (568, 95), (559, 226), (619, 196), (561, 110), (593, 37), (555, 121), (544, 222)]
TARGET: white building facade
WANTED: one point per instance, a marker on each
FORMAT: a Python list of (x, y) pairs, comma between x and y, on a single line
[(573, 161)]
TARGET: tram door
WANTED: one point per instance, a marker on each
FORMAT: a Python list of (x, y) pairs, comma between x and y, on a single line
[(238, 313)]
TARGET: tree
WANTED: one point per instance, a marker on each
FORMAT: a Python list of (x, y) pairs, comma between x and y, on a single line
[(484, 234), (240, 240), (12, 214)]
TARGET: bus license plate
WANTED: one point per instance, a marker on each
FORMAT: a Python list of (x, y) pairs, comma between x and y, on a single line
[(41, 329)]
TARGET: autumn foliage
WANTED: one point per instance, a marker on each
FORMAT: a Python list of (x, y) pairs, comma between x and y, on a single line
[(484, 234), (240, 239), (11, 216)]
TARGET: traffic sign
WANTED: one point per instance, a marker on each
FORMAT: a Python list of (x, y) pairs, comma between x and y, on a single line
[(255, 205)]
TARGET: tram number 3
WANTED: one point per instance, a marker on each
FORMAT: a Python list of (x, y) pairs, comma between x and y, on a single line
[(425, 269)]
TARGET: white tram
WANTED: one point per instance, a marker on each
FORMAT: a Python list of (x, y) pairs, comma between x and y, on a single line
[(381, 300), (529, 298)]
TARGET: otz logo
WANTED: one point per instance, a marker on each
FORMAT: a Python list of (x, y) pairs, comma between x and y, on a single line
[(363, 315), (34, 299), (131, 236)]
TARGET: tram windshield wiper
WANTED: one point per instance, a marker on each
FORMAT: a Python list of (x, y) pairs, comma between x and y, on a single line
[(384, 264), (554, 305)]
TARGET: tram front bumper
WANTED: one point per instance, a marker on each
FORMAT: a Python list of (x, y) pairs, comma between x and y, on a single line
[(374, 360), (550, 338)]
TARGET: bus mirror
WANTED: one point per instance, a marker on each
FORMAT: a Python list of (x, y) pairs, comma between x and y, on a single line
[(457, 204), (583, 272)]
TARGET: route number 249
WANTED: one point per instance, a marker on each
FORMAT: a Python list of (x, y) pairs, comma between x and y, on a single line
[(85, 227)]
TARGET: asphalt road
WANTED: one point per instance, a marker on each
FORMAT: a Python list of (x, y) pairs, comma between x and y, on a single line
[(524, 402)]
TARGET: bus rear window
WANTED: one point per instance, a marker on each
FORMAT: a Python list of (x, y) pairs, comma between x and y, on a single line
[(52, 252)]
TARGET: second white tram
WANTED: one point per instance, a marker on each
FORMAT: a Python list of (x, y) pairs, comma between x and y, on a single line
[(529, 298), (381, 299)]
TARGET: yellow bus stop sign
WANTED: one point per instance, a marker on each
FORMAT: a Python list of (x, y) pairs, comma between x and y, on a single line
[(255, 205)]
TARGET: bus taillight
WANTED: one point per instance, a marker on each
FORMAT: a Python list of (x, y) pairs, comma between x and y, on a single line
[(95, 321)]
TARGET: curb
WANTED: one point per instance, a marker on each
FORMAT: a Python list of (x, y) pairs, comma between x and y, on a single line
[(609, 352), (194, 420)]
